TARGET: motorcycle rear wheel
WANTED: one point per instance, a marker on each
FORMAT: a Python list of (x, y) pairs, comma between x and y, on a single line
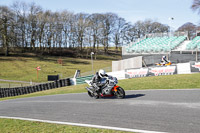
[(120, 93), (93, 95)]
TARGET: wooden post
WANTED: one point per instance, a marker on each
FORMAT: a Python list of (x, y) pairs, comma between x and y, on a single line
[(37, 68)]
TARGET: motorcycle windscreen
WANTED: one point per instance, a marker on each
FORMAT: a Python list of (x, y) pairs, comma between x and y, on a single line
[(103, 80)]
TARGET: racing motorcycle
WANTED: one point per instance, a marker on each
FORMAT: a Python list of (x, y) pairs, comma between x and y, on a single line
[(108, 87), (167, 64)]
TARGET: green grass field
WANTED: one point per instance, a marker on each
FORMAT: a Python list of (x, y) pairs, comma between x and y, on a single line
[(23, 68)]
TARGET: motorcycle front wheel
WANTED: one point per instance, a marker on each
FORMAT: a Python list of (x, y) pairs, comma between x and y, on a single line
[(120, 93)]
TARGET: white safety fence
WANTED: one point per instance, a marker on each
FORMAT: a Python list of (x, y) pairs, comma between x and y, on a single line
[(180, 68)]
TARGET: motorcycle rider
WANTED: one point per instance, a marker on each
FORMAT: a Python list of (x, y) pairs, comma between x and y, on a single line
[(97, 78), (164, 60)]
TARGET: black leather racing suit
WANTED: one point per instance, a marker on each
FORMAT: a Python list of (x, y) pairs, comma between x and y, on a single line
[(96, 81)]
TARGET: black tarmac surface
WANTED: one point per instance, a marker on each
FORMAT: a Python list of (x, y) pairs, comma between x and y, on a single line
[(175, 111)]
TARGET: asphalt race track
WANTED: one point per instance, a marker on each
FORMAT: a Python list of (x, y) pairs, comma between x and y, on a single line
[(152, 110)]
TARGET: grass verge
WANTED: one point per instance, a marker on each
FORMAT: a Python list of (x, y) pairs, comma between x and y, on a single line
[(183, 81), (21, 126)]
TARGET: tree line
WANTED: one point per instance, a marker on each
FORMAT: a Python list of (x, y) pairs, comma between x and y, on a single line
[(29, 26)]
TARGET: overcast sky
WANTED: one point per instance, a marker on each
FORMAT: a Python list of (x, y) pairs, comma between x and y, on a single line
[(131, 10)]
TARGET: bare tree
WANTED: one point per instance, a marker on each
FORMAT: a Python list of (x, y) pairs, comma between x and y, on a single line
[(149, 26), (128, 33), (66, 17), (6, 26), (119, 28), (48, 30), (95, 27), (196, 6), (190, 28), (42, 18), (21, 10), (81, 25), (108, 27), (139, 29), (34, 10)]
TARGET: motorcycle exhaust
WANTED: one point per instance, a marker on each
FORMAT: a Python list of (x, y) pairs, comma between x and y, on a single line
[(89, 90)]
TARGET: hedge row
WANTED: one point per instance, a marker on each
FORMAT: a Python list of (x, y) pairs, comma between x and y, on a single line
[(8, 92)]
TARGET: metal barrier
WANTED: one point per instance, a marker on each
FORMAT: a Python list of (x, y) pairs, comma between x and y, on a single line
[(81, 80)]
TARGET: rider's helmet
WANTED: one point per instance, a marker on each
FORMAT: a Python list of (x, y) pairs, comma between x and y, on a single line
[(164, 57), (101, 73)]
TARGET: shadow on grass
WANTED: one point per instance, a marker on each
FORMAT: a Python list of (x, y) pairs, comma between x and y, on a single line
[(55, 60), (11, 58), (79, 62)]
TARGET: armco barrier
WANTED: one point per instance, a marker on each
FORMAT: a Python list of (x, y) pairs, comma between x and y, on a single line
[(8, 92), (81, 80)]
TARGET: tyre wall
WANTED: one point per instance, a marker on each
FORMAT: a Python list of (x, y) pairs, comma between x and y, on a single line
[(8, 92)]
